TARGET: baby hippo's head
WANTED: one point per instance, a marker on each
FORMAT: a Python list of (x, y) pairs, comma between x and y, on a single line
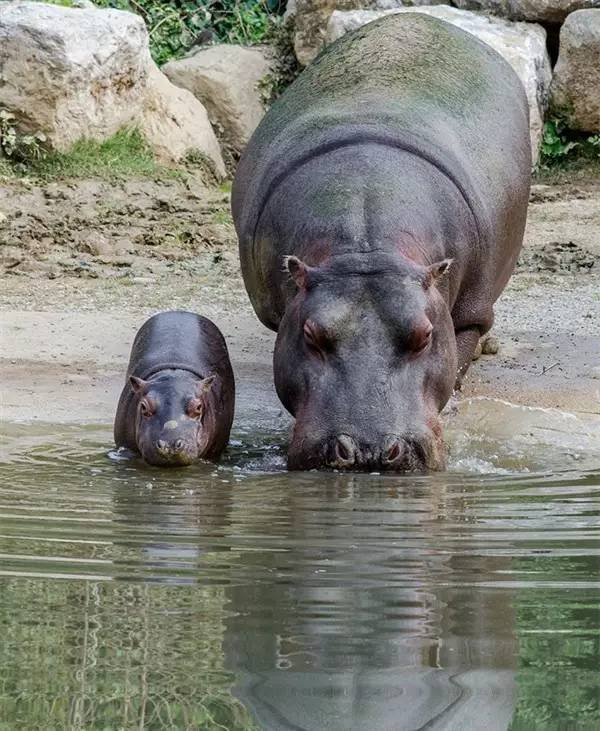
[(178, 419)]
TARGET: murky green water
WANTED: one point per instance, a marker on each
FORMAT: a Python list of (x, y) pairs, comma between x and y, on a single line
[(244, 597)]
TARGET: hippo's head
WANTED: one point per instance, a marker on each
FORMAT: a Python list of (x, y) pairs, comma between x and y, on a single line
[(176, 417), (365, 359)]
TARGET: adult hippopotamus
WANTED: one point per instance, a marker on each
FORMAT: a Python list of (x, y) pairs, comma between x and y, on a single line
[(380, 208), (178, 400)]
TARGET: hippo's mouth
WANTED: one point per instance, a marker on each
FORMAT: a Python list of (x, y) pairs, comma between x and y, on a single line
[(170, 458), (402, 455)]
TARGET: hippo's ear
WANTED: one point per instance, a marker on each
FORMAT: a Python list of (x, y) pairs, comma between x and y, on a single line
[(138, 384), (437, 271), (204, 386), (297, 270)]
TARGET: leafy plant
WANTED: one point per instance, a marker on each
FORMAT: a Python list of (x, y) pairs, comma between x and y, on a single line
[(175, 26), (562, 145), (555, 142), (20, 149), (285, 64)]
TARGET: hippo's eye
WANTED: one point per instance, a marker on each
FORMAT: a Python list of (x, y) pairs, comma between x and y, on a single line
[(315, 337), (146, 408), (195, 408), (420, 339)]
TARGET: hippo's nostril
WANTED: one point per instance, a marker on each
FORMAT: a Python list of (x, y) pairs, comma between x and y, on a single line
[(178, 446), (161, 445), (345, 450), (342, 451), (393, 451)]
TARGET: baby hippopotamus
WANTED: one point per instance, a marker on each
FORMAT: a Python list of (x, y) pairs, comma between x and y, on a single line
[(177, 404)]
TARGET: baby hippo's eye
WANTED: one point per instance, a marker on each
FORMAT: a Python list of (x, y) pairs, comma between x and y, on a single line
[(146, 408), (195, 408), (420, 339)]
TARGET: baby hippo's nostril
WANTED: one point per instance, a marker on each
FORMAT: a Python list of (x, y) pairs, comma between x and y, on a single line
[(178, 446), (394, 450), (345, 451), (161, 445)]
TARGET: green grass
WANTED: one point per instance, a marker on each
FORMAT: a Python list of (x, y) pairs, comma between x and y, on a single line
[(222, 217), (123, 155), (570, 170), (64, 3)]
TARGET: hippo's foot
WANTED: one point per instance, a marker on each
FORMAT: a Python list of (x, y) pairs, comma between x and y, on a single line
[(490, 345)]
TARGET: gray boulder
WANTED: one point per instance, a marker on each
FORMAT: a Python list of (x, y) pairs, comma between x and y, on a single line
[(312, 16), (575, 90), (176, 124), (523, 45), (547, 11), (226, 79), (71, 73), (86, 73)]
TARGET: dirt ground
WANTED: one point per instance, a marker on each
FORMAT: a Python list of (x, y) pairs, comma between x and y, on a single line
[(85, 262)]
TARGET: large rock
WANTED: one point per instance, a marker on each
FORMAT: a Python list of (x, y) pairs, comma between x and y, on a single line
[(71, 73), (86, 73), (575, 90), (547, 11), (176, 124), (226, 79), (523, 45), (312, 16)]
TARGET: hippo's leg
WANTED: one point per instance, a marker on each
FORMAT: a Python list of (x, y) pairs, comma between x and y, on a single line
[(467, 340)]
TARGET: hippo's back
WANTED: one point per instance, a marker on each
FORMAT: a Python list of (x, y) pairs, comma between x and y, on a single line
[(178, 339), (410, 81)]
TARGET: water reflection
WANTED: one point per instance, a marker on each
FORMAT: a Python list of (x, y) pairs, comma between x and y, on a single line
[(237, 598), (364, 627)]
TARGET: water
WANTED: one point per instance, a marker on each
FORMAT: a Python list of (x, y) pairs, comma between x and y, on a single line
[(243, 597)]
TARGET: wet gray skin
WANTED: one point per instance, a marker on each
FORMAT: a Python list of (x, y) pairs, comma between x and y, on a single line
[(365, 359), (385, 156), (175, 417), (178, 400)]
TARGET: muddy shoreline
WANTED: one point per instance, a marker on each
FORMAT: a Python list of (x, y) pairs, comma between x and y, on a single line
[(85, 262)]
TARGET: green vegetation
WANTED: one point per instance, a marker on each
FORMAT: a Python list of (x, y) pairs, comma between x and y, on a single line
[(559, 644), (105, 657), (16, 147), (562, 147), (280, 36), (125, 153), (175, 26), (222, 217)]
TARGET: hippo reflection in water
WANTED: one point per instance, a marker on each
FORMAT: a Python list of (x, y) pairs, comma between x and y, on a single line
[(380, 208)]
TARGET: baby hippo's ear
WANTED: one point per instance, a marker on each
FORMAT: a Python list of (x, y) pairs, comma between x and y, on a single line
[(205, 385), (138, 384), (297, 270), (436, 271)]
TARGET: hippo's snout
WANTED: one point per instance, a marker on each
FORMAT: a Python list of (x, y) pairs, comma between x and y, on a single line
[(168, 448), (395, 453), (174, 452)]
